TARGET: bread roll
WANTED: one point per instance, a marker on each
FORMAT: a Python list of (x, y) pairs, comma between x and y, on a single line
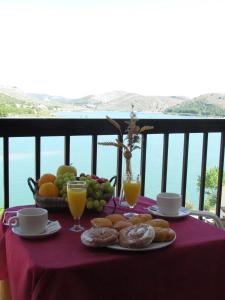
[(101, 222), (135, 220), (115, 217), (141, 218), (159, 223), (163, 234), (145, 217), (122, 224)]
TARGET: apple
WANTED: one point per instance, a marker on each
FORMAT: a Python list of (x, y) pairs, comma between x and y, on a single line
[(66, 169)]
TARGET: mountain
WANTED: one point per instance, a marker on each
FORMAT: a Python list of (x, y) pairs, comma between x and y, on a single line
[(117, 101), (122, 101), (204, 105), (13, 92), (208, 105)]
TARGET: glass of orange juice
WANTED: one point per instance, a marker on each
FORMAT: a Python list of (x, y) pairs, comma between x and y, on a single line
[(131, 189), (77, 197)]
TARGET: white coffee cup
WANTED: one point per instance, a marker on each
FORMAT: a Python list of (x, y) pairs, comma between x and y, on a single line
[(32, 220), (169, 203)]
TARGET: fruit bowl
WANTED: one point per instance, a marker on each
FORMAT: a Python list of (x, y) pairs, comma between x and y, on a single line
[(99, 192), (45, 202)]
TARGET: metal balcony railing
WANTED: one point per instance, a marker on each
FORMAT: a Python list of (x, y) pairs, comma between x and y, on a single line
[(38, 128)]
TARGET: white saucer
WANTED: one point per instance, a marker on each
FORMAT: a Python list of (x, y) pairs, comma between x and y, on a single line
[(154, 210), (51, 228)]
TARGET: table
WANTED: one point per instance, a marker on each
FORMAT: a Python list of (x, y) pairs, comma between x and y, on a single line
[(59, 267)]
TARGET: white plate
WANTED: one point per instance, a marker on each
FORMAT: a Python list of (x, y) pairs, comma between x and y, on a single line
[(183, 212), (152, 246), (51, 228)]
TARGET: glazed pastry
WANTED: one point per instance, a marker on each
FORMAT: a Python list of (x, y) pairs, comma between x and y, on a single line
[(99, 237), (115, 217), (159, 223), (101, 222), (122, 224), (136, 236), (164, 234)]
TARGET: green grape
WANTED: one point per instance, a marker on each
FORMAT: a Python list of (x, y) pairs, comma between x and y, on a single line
[(96, 203), (102, 202), (90, 204), (97, 194), (89, 190), (96, 186), (61, 182), (90, 183)]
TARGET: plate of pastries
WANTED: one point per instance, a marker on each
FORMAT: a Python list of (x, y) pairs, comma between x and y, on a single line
[(137, 233)]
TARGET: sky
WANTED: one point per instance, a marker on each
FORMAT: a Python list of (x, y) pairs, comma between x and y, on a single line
[(77, 48)]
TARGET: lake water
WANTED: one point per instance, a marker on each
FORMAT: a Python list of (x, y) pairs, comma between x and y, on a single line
[(21, 159)]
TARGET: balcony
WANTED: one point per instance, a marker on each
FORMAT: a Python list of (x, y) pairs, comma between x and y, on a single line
[(95, 128)]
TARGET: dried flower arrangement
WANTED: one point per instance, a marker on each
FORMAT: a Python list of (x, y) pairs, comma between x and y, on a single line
[(132, 138)]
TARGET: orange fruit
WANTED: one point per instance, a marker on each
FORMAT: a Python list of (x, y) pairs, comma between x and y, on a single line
[(48, 189), (46, 178)]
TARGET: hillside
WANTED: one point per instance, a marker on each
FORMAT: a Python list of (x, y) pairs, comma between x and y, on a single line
[(12, 106), (204, 105)]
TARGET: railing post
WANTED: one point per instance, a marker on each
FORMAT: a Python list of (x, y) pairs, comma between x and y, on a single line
[(143, 162), (165, 162), (37, 157), (184, 168), (220, 174), (67, 149), (203, 171), (6, 171), (94, 155)]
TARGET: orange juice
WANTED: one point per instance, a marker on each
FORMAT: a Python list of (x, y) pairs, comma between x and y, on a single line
[(77, 201), (131, 191)]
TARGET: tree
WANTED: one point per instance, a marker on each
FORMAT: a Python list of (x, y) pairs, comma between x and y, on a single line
[(211, 181)]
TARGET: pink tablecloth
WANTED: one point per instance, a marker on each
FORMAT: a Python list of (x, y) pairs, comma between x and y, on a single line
[(59, 267)]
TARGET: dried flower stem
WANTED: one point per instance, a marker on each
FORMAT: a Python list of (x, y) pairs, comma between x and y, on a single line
[(133, 131)]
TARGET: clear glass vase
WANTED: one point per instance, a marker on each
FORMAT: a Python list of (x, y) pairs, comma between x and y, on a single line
[(130, 190)]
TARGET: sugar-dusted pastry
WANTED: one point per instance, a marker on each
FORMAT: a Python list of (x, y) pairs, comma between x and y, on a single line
[(122, 224), (136, 236), (163, 234), (101, 222), (159, 223), (115, 217), (99, 237)]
